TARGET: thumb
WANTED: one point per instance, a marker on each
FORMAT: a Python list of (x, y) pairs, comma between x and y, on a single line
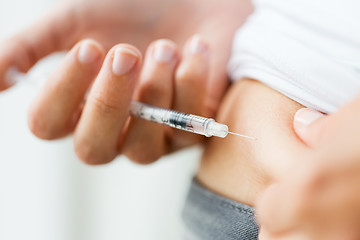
[(310, 126), (53, 32)]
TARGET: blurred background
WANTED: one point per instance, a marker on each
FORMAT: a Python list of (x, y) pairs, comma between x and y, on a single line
[(46, 193)]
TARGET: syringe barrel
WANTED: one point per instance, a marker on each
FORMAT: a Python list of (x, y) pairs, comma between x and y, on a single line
[(183, 121)]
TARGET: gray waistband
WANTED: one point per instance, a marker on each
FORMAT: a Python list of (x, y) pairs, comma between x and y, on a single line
[(212, 217)]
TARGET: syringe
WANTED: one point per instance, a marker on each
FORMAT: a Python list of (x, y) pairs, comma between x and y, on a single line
[(183, 121)]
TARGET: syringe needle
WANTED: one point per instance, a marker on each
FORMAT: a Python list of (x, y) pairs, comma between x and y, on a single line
[(244, 136)]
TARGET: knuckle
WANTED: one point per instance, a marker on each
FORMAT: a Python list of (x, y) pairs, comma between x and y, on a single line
[(152, 89), (188, 76), (90, 155), (106, 107)]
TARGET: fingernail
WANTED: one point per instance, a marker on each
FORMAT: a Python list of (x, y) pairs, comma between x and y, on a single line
[(89, 51), (164, 51), (198, 45), (305, 116), (124, 61)]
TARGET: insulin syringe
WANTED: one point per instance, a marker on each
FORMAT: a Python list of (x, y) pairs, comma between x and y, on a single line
[(183, 121)]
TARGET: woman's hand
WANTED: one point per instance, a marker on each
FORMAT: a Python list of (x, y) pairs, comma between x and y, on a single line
[(321, 200), (101, 125), (137, 22)]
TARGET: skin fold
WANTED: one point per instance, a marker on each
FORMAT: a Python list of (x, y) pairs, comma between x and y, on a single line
[(239, 168), (302, 180), (322, 198)]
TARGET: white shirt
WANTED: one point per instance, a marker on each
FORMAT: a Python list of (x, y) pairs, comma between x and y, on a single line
[(308, 50)]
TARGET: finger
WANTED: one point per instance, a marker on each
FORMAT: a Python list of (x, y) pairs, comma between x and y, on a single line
[(322, 200), (54, 112), (281, 209), (107, 107), (145, 141), (191, 84), (310, 125), (343, 134), (339, 132), (54, 32), (340, 194), (319, 203)]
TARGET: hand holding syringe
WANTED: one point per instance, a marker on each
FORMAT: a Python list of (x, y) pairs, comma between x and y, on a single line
[(101, 127), (182, 121)]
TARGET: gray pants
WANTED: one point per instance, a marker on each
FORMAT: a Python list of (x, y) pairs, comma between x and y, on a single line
[(212, 217)]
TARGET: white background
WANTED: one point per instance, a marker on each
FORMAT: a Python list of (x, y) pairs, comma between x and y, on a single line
[(47, 194)]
